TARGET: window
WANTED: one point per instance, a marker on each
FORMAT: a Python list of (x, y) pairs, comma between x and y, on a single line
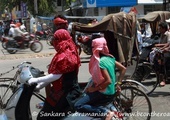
[(58, 2), (151, 8), (113, 10), (96, 11)]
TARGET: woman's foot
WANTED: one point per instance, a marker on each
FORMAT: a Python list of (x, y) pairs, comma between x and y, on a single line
[(162, 83)]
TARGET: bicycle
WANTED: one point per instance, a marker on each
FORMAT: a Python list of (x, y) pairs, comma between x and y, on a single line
[(148, 74), (127, 102), (7, 87)]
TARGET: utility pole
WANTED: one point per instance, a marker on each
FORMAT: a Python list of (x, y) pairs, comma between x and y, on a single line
[(35, 11), (35, 8)]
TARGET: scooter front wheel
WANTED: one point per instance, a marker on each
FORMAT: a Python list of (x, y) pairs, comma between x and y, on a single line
[(36, 46)]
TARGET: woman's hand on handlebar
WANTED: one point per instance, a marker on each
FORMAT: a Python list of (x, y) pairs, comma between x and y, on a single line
[(33, 81)]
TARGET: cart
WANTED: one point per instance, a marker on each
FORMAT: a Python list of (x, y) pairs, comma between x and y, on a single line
[(120, 33)]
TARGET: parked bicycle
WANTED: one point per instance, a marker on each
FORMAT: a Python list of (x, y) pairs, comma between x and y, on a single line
[(126, 103)]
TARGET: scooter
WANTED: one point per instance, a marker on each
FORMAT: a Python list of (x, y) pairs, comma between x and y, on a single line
[(18, 106)]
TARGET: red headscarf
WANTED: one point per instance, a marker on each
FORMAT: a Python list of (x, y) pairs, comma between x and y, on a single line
[(60, 21), (99, 46), (66, 58)]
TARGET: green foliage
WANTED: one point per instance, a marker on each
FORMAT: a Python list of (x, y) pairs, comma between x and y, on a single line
[(45, 7)]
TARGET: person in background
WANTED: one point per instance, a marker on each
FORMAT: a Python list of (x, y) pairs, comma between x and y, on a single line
[(23, 28), (39, 27), (168, 21), (63, 73), (164, 42), (34, 28), (147, 31), (102, 69), (19, 35), (140, 40), (94, 21), (1, 29), (11, 30)]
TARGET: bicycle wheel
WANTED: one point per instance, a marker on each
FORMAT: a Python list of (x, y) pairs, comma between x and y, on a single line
[(146, 75), (134, 104), (5, 93)]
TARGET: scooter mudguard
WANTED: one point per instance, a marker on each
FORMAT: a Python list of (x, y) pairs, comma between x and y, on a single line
[(22, 111), (18, 106)]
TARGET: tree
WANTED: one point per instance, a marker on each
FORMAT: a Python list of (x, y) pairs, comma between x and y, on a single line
[(67, 5), (45, 7)]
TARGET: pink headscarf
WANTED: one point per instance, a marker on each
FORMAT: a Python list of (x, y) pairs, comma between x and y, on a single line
[(99, 46)]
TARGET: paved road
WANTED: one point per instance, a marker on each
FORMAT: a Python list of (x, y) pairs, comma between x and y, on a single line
[(160, 99)]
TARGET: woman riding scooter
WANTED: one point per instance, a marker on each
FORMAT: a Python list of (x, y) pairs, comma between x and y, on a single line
[(63, 74)]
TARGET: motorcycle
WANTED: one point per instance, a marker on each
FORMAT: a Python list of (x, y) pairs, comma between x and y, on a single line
[(28, 41), (86, 41), (4, 40), (18, 106), (46, 34)]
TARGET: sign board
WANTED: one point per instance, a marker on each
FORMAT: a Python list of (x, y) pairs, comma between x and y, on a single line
[(23, 10), (108, 3)]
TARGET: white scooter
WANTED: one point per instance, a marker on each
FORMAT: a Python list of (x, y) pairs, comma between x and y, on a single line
[(18, 106)]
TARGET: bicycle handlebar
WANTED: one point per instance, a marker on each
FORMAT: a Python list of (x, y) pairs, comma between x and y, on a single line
[(14, 67)]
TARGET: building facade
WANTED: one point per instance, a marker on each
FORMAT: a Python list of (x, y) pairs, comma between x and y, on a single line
[(142, 7)]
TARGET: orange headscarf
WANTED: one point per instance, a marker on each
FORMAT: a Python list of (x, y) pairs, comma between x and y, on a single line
[(18, 24), (99, 46)]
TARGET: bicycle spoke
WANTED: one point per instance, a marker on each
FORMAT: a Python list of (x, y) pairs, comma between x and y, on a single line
[(135, 105)]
